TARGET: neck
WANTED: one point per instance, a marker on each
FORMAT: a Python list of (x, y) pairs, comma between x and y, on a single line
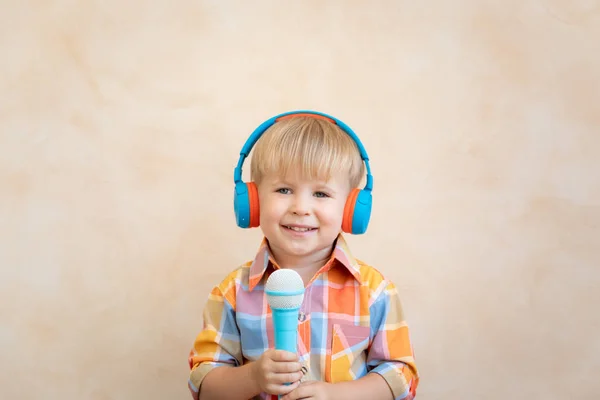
[(305, 266)]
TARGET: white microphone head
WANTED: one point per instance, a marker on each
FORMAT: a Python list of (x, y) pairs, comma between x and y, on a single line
[(284, 289)]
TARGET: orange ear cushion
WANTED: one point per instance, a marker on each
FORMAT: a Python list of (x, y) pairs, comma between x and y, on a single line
[(349, 210), (254, 207)]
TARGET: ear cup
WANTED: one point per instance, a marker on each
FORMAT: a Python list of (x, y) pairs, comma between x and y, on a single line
[(245, 205), (362, 212), (357, 211)]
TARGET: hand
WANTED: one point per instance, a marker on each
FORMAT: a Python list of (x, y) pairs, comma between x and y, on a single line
[(274, 369), (315, 390)]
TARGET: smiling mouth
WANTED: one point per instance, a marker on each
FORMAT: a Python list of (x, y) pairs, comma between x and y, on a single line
[(299, 229)]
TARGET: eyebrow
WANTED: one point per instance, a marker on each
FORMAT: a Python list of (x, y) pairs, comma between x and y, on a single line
[(317, 187), (325, 187), (279, 182)]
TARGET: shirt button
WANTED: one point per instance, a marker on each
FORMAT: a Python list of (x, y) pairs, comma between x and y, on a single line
[(301, 317)]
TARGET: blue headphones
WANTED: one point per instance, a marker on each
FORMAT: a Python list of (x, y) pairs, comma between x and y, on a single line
[(357, 211)]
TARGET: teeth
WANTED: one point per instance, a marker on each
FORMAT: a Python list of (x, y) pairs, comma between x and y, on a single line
[(297, 229)]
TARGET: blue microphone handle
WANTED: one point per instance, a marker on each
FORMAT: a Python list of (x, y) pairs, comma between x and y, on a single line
[(285, 322)]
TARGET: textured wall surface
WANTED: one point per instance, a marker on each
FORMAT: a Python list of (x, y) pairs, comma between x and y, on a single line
[(121, 122)]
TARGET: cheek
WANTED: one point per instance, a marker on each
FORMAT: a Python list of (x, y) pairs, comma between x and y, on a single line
[(333, 214), (270, 208)]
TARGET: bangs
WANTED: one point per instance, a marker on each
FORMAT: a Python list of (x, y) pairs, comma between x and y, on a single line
[(312, 148)]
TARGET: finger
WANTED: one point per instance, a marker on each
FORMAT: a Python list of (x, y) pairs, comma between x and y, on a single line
[(281, 367), (282, 389), (303, 391), (282, 355), (286, 377)]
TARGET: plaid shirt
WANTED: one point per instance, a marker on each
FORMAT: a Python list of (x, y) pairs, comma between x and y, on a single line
[(350, 323)]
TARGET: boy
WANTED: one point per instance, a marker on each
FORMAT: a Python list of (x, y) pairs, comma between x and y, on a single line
[(353, 342)]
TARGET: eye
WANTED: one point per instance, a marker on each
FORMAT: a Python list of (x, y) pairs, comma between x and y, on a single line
[(283, 191), (321, 194)]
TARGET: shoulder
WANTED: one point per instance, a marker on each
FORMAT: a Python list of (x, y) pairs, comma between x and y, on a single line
[(375, 281), (230, 284)]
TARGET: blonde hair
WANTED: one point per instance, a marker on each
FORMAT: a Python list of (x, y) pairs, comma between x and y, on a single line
[(313, 147)]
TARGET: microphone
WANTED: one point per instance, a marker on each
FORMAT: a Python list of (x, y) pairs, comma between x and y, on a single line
[(285, 292)]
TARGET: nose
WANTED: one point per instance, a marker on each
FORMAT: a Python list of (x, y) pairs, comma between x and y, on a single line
[(300, 204)]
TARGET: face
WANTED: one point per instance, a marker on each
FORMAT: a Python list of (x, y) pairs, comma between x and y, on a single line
[(301, 218)]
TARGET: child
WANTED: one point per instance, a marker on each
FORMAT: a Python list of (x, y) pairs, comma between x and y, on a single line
[(353, 342)]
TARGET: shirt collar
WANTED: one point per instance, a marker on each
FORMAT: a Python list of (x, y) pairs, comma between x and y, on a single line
[(263, 259)]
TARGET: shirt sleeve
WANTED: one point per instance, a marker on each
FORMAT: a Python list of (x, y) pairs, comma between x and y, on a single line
[(391, 353), (218, 343)]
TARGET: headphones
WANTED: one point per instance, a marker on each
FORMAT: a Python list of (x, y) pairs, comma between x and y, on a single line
[(357, 211)]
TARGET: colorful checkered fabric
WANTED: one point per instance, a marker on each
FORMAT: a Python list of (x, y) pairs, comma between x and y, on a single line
[(350, 323)]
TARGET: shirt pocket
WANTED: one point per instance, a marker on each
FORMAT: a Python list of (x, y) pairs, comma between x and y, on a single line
[(349, 345)]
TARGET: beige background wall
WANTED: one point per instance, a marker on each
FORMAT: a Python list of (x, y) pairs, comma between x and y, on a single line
[(120, 125)]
